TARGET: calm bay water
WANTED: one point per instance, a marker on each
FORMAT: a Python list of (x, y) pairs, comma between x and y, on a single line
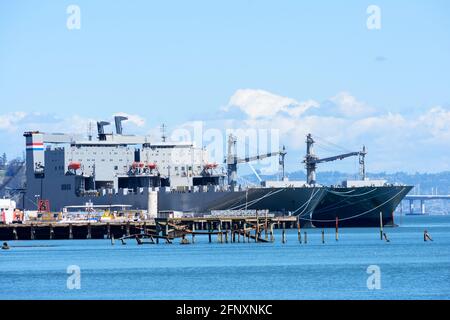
[(410, 268)]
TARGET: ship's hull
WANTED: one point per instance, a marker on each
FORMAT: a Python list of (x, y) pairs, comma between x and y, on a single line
[(285, 201), (359, 206), (294, 201)]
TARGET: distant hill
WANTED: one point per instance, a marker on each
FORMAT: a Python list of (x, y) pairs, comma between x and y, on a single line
[(12, 178)]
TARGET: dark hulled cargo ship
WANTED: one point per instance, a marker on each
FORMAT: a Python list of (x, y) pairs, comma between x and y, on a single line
[(137, 173)]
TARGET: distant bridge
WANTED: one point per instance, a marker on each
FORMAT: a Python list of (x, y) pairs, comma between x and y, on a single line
[(422, 198)]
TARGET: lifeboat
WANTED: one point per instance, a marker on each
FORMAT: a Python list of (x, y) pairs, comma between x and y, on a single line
[(74, 166), (151, 166), (211, 166), (138, 165)]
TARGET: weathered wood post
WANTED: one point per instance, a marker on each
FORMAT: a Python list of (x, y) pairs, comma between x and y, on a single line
[(208, 224), (51, 231), (299, 231), (239, 235), (70, 231), (32, 232), (167, 229), (193, 233), (306, 238), (265, 228), (272, 237), (89, 235), (233, 237), (283, 237), (257, 227), (220, 231), (381, 226), (323, 236)]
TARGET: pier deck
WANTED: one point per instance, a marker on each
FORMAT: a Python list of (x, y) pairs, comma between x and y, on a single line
[(170, 228)]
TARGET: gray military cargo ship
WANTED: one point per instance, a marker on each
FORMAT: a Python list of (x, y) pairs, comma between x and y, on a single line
[(138, 173)]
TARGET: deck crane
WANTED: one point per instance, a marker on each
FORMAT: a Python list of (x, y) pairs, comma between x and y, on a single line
[(232, 160), (311, 160)]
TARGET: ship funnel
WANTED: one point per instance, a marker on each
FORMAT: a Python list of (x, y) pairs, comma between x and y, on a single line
[(118, 120), (101, 129)]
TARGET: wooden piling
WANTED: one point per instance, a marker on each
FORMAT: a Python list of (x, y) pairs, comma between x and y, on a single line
[(70, 231), (219, 235), (51, 231), (16, 237), (272, 238), (128, 228), (283, 237), (108, 230), (209, 229), (167, 229), (32, 232), (89, 234), (306, 238), (257, 227), (381, 226), (193, 233), (265, 228), (323, 236), (299, 231)]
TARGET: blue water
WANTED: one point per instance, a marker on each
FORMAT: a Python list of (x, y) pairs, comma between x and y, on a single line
[(410, 268)]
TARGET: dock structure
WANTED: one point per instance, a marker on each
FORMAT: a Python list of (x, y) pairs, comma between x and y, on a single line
[(227, 229)]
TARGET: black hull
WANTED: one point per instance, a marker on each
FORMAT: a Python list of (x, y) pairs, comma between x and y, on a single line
[(295, 201), (358, 207)]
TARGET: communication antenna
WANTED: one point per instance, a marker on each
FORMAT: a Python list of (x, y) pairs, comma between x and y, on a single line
[(163, 132)]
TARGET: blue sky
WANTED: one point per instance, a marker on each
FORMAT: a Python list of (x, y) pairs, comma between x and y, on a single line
[(179, 61)]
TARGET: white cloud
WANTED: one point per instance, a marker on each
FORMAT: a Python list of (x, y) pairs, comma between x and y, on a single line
[(10, 121), (132, 118), (263, 104), (349, 106), (396, 141), (437, 123)]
